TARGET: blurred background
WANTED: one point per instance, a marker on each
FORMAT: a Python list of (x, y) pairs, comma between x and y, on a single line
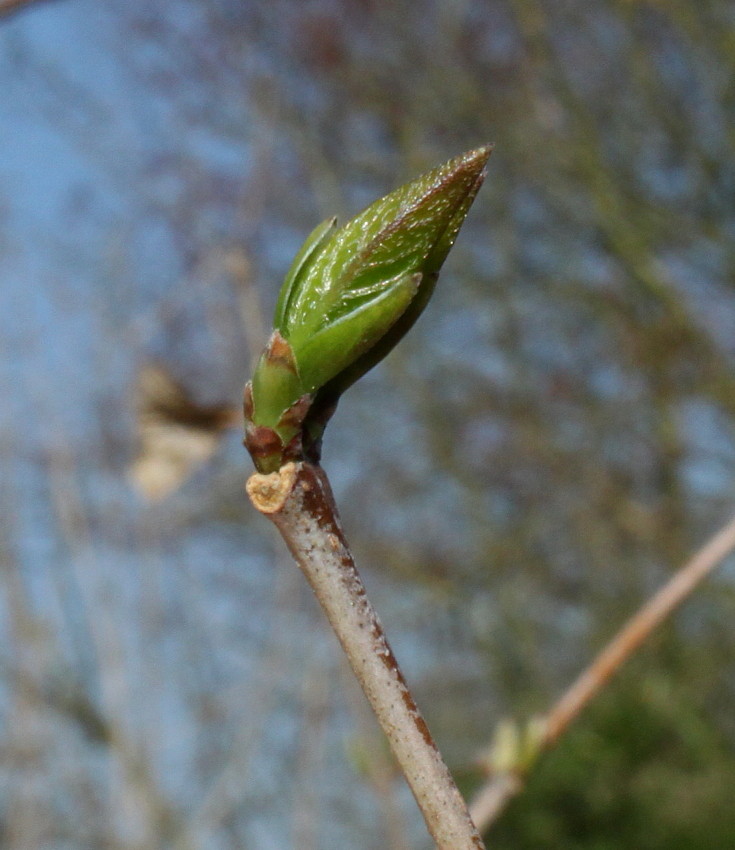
[(552, 440)]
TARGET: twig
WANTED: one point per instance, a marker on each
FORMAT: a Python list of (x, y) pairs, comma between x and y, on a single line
[(229, 788), (8, 7), (299, 501), (637, 629), (494, 796)]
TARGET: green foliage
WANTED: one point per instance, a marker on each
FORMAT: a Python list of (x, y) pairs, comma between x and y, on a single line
[(644, 770)]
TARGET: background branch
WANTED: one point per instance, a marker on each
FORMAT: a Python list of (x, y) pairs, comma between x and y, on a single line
[(8, 7), (491, 800)]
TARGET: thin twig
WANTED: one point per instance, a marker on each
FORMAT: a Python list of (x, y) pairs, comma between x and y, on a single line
[(249, 302), (298, 500), (637, 629), (491, 800)]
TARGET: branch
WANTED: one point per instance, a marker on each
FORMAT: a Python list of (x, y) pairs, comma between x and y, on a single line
[(298, 500), (494, 796), (8, 7)]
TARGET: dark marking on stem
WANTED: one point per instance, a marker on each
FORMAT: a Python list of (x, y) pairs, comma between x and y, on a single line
[(390, 661), (318, 501)]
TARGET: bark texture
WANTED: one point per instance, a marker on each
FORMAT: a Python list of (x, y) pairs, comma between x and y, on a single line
[(298, 499)]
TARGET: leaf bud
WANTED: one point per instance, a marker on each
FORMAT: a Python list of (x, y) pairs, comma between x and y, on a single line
[(350, 295)]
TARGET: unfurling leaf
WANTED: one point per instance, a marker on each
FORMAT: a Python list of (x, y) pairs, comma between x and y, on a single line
[(350, 295)]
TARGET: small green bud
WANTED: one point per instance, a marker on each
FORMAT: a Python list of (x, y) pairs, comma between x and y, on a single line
[(350, 295), (515, 746)]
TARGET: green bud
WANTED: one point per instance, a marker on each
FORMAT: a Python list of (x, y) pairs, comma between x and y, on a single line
[(350, 295)]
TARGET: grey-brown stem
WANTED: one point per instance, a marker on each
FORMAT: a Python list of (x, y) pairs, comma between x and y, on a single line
[(298, 499)]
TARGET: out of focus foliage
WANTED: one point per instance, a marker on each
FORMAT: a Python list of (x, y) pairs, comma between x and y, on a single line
[(646, 771), (552, 439)]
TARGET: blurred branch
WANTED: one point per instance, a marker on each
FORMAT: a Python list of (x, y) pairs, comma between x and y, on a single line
[(637, 629), (251, 308), (495, 795), (228, 788), (8, 7), (309, 756), (134, 791)]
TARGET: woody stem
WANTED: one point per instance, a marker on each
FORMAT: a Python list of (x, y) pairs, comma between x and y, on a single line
[(298, 500)]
